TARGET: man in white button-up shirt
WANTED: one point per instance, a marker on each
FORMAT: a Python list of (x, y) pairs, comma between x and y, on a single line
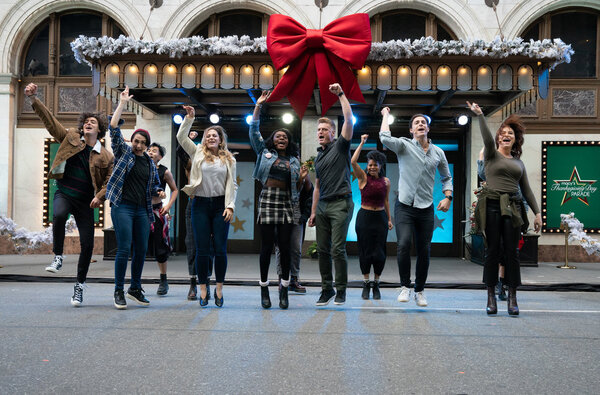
[(418, 159)]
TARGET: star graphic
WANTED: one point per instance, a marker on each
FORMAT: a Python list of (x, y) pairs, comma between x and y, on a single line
[(578, 183), (246, 203), (239, 180), (238, 224), (438, 222)]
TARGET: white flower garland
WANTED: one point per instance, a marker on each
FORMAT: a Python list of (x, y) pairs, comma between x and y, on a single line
[(24, 239), (576, 233), (556, 50)]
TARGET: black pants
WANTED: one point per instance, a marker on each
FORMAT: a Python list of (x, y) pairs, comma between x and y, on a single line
[(84, 218), (268, 233), (371, 230), (502, 243)]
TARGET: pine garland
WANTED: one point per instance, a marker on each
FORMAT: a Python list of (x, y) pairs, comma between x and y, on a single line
[(88, 48), (576, 233)]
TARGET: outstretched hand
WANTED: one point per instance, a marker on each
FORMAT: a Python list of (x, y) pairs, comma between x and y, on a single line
[(191, 112), (263, 97), (475, 108), (364, 138), (125, 96), (385, 111)]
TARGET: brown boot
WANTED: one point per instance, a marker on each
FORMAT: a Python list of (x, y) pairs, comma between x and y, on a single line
[(513, 308), (295, 286), (492, 308)]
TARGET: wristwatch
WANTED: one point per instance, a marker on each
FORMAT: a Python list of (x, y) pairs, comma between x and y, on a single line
[(449, 197)]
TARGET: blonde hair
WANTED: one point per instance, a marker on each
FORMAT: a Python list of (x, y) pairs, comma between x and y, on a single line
[(223, 152), (327, 121)]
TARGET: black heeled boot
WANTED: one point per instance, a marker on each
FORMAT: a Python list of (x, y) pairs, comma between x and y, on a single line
[(366, 289), (283, 298), (193, 292), (492, 308), (265, 300), (513, 308), (376, 292)]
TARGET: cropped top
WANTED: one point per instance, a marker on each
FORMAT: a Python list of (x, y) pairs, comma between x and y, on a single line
[(373, 193)]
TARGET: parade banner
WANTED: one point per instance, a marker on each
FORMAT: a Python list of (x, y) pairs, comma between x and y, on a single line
[(570, 175)]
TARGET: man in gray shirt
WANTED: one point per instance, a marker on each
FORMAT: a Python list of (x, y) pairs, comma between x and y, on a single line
[(332, 206), (418, 158)]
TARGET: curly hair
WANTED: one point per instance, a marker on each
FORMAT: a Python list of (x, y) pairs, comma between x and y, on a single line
[(290, 150), (100, 117), (516, 124), (378, 157), (223, 152)]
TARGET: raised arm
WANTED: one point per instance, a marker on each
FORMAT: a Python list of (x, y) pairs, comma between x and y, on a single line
[(256, 140), (486, 135), (116, 138), (183, 137), (58, 131), (347, 127), (385, 135), (358, 172)]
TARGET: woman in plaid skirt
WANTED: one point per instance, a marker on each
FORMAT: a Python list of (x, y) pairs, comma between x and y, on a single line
[(278, 169)]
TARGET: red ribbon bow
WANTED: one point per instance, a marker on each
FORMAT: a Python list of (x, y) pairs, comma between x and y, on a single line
[(327, 54)]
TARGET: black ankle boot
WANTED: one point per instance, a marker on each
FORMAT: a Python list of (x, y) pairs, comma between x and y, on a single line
[(513, 308), (376, 292), (500, 290), (492, 308), (283, 298), (193, 292), (366, 289), (264, 296)]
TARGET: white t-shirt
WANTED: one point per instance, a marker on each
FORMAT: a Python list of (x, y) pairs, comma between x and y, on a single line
[(213, 179)]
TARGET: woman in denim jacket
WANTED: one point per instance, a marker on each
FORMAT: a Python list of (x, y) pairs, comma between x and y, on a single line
[(279, 171)]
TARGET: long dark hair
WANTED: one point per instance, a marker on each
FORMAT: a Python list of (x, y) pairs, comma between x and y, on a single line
[(517, 125), (290, 150), (378, 157)]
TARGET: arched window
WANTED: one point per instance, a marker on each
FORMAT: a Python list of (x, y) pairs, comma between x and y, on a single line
[(578, 27), (237, 22), (64, 85), (415, 24)]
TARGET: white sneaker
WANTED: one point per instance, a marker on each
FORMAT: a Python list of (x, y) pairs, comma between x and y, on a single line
[(404, 294), (56, 264), (420, 299)]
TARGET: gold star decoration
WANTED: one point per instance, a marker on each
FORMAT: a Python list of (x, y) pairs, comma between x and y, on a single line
[(238, 224), (239, 180), (246, 203)]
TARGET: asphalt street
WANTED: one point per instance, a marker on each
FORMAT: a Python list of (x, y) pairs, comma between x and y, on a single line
[(175, 346)]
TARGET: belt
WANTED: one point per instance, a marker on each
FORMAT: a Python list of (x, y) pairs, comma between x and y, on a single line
[(336, 197)]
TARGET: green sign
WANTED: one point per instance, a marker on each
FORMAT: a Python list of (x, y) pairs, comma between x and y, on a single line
[(570, 183)]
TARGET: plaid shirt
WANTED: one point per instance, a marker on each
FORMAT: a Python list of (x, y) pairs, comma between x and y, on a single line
[(124, 161)]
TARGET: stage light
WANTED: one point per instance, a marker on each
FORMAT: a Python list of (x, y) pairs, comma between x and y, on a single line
[(462, 120), (249, 119), (214, 118), (287, 118), (353, 120), (177, 119), (391, 119)]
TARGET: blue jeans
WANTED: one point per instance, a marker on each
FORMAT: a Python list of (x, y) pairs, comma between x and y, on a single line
[(418, 221), (132, 229), (207, 220)]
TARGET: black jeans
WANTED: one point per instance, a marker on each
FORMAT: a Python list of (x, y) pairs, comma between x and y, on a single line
[(502, 243), (84, 218), (418, 222)]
